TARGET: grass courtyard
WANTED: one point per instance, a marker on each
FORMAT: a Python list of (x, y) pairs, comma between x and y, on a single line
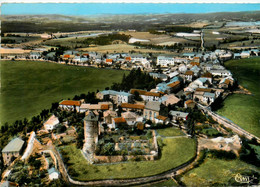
[(172, 131), (244, 110), (174, 153), (29, 87)]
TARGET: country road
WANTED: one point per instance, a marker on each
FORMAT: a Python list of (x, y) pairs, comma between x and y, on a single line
[(228, 123)]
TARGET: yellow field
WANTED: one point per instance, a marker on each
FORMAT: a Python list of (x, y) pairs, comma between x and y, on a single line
[(124, 48)]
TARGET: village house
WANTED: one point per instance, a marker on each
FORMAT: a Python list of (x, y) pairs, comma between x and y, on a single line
[(161, 76), (245, 54), (161, 119), (177, 115), (115, 96), (199, 94), (12, 150), (51, 123), (189, 104), (226, 82), (35, 55), (208, 76), (189, 75), (118, 121), (130, 118), (139, 58), (173, 74), (70, 105), (80, 59), (101, 106), (151, 110), (182, 68), (109, 61), (170, 99), (147, 96), (165, 61), (208, 98), (222, 73), (53, 173), (188, 55), (132, 107), (174, 86), (197, 59), (108, 115), (196, 70)]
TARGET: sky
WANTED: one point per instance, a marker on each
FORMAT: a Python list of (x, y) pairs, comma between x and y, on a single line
[(81, 9)]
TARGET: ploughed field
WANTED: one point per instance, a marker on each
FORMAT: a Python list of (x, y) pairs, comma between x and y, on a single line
[(29, 87), (244, 110)]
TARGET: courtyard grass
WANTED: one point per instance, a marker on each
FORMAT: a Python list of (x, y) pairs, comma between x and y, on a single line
[(174, 153), (244, 110), (170, 132), (29, 87), (216, 172)]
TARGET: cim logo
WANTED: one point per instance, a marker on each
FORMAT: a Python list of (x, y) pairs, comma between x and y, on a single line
[(244, 179)]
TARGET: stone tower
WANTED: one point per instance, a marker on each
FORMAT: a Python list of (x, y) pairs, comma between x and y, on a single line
[(90, 134)]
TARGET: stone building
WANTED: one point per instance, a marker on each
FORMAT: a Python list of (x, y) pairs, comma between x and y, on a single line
[(12, 149)]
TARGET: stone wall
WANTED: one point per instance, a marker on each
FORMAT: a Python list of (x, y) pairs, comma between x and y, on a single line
[(120, 158)]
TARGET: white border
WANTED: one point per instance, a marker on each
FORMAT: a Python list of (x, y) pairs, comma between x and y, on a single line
[(133, 1)]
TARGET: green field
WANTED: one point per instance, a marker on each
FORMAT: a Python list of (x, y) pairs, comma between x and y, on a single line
[(174, 153), (170, 132), (29, 87), (244, 110), (216, 171)]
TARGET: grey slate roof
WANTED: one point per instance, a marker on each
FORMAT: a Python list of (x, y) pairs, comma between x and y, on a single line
[(13, 146), (208, 94), (153, 105), (52, 170)]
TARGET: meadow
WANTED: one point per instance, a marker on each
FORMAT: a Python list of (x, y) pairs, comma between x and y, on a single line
[(216, 172), (28, 87), (244, 110), (174, 153), (172, 131)]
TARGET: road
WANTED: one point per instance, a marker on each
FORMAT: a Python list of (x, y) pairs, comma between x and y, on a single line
[(227, 123)]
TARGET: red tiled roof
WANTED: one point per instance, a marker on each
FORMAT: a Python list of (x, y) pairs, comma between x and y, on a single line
[(207, 75), (203, 90), (70, 102), (195, 63), (109, 60), (227, 81), (104, 107), (189, 102), (66, 56), (172, 85), (128, 58), (140, 126), (133, 106), (119, 120), (143, 92), (161, 117), (189, 73), (196, 57)]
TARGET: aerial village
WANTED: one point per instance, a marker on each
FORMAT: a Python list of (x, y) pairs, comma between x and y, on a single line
[(120, 125)]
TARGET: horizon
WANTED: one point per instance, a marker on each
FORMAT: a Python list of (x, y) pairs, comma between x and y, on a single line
[(90, 9)]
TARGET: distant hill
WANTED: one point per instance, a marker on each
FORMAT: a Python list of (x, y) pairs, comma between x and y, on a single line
[(62, 23)]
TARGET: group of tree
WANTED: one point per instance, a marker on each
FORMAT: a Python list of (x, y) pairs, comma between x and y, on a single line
[(136, 79), (104, 39)]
